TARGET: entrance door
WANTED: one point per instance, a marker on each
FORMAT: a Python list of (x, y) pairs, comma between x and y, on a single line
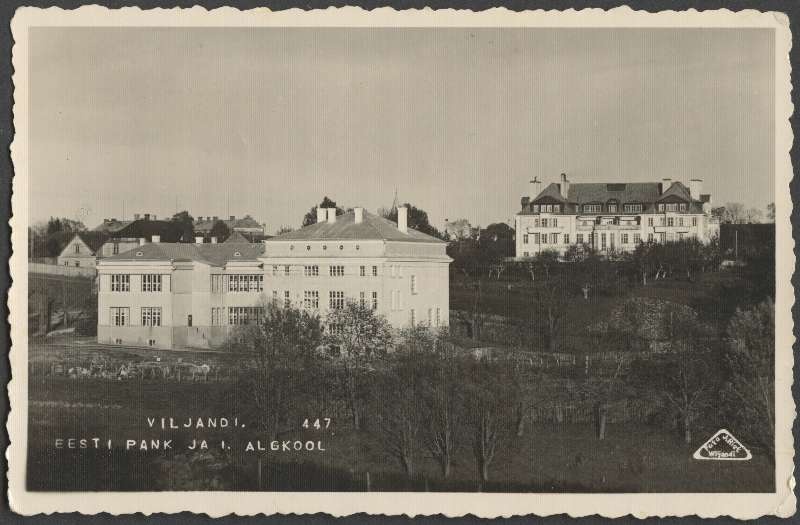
[(189, 320)]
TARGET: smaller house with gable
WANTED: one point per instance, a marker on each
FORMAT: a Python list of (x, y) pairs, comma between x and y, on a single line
[(83, 249)]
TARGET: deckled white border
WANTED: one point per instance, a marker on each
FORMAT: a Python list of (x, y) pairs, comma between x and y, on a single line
[(744, 506)]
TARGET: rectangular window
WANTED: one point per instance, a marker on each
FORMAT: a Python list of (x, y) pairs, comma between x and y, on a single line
[(374, 300), (553, 238), (683, 207), (244, 282), (77, 248), (274, 270), (624, 238), (151, 283), (632, 208), (680, 221), (535, 208), (579, 238), (650, 237), (526, 254), (362, 271), (413, 284), (311, 271), (362, 299), (661, 237), (592, 208), (660, 207), (544, 223), (602, 241), (670, 221), (566, 238), (556, 208), (430, 316), (438, 317), (555, 222), (337, 271), (612, 208), (151, 316), (275, 297), (694, 221), (120, 282), (412, 317), (336, 300), (374, 271), (536, 239), (216, 316), (536, 223), (637, 238), (649, 221), (115, 248), (287, 299), (242, 315), (216, 283), (525, 238), (543, 239), (120, 316), (311, 299), (662, 221), (286, 270), (680, 236)]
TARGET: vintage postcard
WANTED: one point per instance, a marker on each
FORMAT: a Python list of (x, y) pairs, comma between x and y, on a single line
[(401, 262)]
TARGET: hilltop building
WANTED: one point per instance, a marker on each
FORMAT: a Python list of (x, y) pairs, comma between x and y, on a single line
[(170, 295), (611, 217)]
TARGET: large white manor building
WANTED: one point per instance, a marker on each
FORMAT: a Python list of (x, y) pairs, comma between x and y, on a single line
[(611, 217), (171, 295)]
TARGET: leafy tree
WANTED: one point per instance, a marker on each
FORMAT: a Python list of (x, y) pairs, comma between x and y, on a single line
[(496, 242), (361, 336), (183, 217), (311, 216), (63, 224), (753, 215), (220, 230), (186, 222), (750, 367), (279, 351), (417, 219)]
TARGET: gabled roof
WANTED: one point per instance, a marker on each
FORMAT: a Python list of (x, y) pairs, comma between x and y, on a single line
[(236, 238), (212, 254), (373, 227), (553, 191), (93, 239), (678, 190)]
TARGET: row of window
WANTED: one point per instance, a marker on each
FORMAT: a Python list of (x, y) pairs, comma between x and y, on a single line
[(545, 223), (121, 316), (545, 238), (546, 208), (312, 270), (670, 221), (237, 283), (433, 319), (121, 282), (607, 240)]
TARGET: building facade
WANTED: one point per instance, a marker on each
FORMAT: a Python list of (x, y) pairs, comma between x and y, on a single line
[(170, 295), (82, 250), (611, 217)]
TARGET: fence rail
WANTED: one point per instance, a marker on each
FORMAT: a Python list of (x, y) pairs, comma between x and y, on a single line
[(54, 269)]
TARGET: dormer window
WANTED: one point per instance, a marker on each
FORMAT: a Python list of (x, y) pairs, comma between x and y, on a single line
[(535, 208), (633, 208), (683, 207), (556, 208), (237, 254), (592, 208), (139, 254)]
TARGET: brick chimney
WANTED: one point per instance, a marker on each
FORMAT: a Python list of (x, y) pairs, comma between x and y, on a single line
[(359, 215), (402, 219), (322, 214), (535, 188), (198, 240), (564, 185), (147, 216), (136, 216), (213, 240), (331, 215), (233, 217), (665, 184)]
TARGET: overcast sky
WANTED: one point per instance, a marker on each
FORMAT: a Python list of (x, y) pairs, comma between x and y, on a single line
[(267, 121)]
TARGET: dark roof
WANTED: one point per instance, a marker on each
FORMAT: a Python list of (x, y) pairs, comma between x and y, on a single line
[(94, 239), (646, 193), (213, 254), (373, 227), (111, 225), (236, 238), (169, 231), (242, 222)]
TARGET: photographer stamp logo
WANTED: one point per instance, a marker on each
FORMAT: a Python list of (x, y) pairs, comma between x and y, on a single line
[(723, 447)]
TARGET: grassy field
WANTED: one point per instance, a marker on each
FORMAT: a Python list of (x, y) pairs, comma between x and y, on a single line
[(548, 458)]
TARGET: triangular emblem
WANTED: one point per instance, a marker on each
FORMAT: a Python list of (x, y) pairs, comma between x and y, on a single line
[(723, 447)]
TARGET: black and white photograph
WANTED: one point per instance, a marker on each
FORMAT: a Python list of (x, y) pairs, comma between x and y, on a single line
[(475, 259)]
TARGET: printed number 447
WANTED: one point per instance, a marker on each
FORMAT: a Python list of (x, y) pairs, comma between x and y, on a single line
[(318, 423)]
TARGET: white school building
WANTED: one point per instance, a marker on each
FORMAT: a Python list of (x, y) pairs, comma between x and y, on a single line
[(172, 295), (611, 217)]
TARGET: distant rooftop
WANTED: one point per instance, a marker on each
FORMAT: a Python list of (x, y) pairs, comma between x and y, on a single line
[(372, 227)]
